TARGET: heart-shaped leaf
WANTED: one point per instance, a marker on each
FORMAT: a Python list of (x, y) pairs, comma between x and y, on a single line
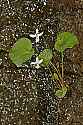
[(21, 51), (61, 92), (65, 40), (46, 55)]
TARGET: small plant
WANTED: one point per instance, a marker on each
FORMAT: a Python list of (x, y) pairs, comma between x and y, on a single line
[(64, 40), (23, 51)]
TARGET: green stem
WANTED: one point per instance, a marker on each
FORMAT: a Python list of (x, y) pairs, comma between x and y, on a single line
[(59, 85), (62, 68), (60, 79)]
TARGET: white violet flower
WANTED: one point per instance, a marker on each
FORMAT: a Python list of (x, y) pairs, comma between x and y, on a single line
[(37, 63), (37, 35)]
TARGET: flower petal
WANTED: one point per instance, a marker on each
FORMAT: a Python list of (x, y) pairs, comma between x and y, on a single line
[(37, 60), (40, 61), (37, 39), (40, 34), (36, 31), (33, 63), (37, 66), (33, 36)]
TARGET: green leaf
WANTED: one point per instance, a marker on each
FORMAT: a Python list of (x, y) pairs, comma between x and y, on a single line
[(61, 92), (21, 51), (46, 55), (65, 40)]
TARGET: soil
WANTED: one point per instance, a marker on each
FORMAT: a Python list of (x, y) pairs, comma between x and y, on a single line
[(26, 94)]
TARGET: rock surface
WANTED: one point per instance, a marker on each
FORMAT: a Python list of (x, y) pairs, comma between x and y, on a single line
[(26, 94)]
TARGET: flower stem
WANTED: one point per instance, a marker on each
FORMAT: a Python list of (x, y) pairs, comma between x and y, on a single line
[(59, 85), (62, 68), (60, 79)]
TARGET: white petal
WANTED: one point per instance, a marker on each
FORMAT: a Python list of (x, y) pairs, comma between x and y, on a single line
[(37, 66), (37, 39), (40, 61), (36, 31), (33, 63), (37, 60), (33, 36), (40, 34)]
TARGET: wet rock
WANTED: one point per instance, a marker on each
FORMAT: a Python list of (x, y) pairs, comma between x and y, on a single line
[(28, 96), (81, 66)]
